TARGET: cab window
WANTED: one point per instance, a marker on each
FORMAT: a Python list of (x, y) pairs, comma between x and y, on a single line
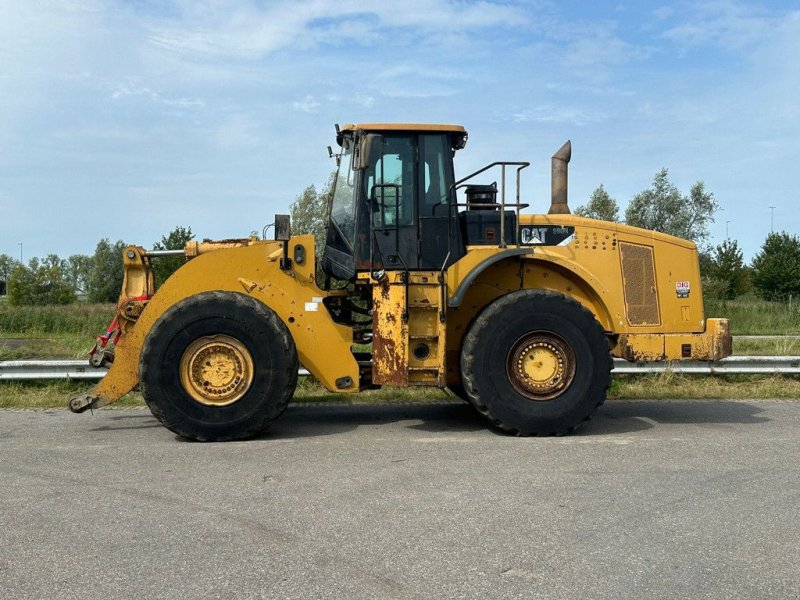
[(390, 182)]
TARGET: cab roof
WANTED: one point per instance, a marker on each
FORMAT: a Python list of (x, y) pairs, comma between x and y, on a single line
[(404, 127)]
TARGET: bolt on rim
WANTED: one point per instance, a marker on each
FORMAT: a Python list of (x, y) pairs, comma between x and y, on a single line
[(216, 370), (540, 365)]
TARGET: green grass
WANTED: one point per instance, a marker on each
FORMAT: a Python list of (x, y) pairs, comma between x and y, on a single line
[(43, 321), (669, 385), (775, 347), (61, 346), (48, 395), (69, 332), (752, 316), (50, 332)]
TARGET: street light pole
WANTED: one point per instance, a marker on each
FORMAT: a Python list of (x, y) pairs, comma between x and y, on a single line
[(727, 237), (772, 219), (20, 252)]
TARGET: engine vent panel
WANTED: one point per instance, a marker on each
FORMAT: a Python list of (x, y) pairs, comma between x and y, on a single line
[(639, 281)]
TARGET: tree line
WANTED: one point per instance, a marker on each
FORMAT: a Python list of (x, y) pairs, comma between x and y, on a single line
[(774, 272), (96, 278)]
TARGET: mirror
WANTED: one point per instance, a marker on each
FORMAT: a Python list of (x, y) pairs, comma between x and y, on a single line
[(364, 150)]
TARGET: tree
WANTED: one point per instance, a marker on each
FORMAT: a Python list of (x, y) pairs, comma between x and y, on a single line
[(78, 271), (165, 266), (7, 264), (39, 283), (105, 279), (776, 268), (726, 266), (600, 206), (663, 208), (310, 212)]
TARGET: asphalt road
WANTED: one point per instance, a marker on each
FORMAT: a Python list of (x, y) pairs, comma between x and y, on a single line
[(651, 500)]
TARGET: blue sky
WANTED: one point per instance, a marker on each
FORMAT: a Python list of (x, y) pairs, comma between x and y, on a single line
[(125, 119)]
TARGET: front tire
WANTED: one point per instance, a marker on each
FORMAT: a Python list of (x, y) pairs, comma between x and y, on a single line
[(218, 366), (536, 362)]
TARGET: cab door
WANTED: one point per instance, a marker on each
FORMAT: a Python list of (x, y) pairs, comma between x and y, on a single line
[(408, 186), (391, 193), (439, 238)]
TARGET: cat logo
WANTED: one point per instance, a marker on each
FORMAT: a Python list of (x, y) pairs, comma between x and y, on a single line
[(545, 235)]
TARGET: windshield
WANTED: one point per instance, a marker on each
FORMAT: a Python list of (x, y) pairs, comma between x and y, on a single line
[(343, 205)]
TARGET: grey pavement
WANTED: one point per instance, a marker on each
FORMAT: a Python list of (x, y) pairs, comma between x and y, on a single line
[(652, 499)]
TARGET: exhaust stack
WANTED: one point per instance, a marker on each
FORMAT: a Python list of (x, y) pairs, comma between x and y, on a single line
[(558, 185)]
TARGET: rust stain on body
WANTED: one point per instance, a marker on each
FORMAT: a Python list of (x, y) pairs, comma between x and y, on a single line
[(390, 336)]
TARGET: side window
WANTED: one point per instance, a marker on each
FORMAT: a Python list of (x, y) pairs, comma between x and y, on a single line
[(435, 175), (343, 205), (390, 183)]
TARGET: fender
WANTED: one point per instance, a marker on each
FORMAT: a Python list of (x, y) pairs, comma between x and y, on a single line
[(461, 290), (323, 346), (594, 290), (595, 294)]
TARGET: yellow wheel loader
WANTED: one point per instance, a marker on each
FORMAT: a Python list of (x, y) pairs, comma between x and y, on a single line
[(424, 280)]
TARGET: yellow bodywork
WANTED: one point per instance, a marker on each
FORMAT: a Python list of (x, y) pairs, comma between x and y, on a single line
[(643, 287), (250, 267), (651, 312), (409, 334)]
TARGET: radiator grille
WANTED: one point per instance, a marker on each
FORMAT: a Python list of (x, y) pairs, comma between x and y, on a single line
[(639, 280)]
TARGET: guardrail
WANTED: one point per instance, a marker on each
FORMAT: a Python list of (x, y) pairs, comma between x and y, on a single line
[(57, 369), (733, 365), (766, 337)]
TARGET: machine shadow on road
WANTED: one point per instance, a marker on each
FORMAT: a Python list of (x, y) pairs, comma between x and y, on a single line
[(628, 416), (140, 420), (311, 420), (614, 417)]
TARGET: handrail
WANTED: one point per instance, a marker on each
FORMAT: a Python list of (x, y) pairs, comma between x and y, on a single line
[(502, 164)]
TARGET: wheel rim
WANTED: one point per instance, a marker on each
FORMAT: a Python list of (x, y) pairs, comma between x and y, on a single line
[(540, 365), (216, 370)]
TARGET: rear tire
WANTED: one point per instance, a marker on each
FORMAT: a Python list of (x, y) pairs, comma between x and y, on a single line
[(459, 391), (536, 362), (218, 366)]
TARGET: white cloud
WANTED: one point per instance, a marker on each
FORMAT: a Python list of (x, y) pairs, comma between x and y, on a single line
[(365, 100), (238, 131), (556, 114), (725, 23), (307, 104), (127, 90), (250, 31)]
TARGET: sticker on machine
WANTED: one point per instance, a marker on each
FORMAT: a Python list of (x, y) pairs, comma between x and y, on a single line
[(682, 289), (312, 306), (545, 235)]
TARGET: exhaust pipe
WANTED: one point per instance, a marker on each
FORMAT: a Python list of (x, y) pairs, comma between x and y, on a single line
[(558, 185)]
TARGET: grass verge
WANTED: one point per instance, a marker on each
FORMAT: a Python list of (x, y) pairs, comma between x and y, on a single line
[(43, 321), (752, 316), (39, 395)]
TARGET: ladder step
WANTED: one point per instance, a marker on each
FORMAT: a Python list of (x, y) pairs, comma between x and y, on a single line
[(423, 305), (424, 369), (424, 337)]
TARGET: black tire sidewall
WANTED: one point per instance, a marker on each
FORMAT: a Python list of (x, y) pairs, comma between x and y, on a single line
[(257, 328), (495, 336)]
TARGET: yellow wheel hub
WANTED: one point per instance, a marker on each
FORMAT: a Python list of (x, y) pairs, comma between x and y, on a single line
[(540, 365), (216, 370)]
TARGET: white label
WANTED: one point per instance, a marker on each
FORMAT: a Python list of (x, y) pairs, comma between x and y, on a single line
[(317, 299), (312, 306)]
